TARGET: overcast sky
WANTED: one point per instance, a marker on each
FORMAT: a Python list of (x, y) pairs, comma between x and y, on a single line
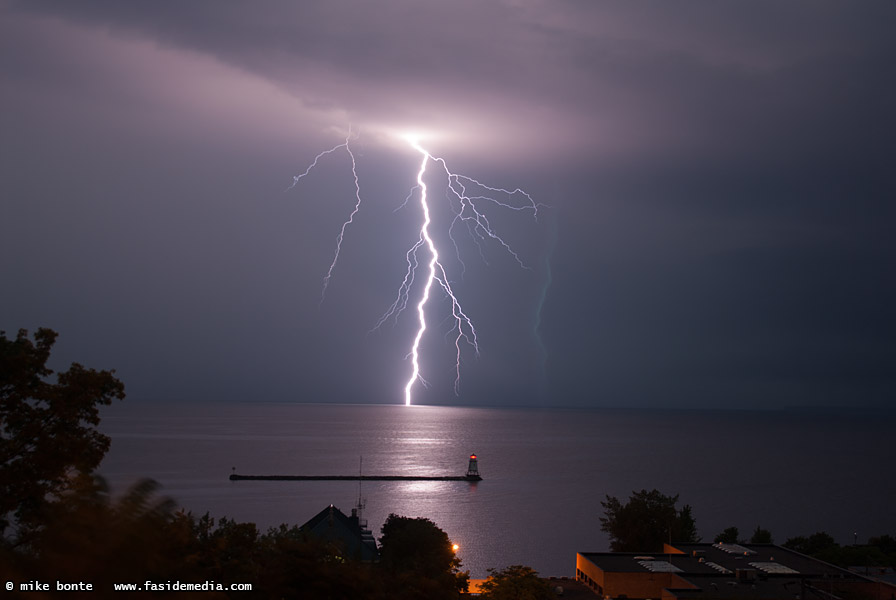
[(717, 185)]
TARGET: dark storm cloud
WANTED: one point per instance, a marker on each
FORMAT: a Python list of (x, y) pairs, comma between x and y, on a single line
[(592, 76), (719, 174), (592, 80)]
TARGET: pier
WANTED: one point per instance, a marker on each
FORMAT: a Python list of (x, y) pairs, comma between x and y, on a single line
[(236, 477), (471, 475)]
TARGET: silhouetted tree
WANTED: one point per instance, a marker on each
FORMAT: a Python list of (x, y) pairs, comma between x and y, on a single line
[(296, 565), (761, 536), (420, 559), (646, 521), (86, 535), (886, 543), (515, 582), (47, 430), (684, 528), (729, 536), (813, 545), (880, 550), (233, 549)]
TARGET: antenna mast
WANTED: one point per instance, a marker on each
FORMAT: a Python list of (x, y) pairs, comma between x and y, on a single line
[(361, 503)]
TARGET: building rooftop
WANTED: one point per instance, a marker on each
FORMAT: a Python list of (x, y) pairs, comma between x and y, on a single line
[(767, 559), (640, 562), (717, 560), (704, 571), (731, 588)]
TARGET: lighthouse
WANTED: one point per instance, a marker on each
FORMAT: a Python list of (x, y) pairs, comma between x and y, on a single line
[(473, 469)]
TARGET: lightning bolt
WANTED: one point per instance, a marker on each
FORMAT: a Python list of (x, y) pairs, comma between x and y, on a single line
[(536, 329), (465, 209), (465, 195), (351, 216)]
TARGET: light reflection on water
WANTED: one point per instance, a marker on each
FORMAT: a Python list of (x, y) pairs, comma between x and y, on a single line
[(545, 472)]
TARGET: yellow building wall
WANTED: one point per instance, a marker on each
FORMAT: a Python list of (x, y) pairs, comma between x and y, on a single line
[(631, 585)]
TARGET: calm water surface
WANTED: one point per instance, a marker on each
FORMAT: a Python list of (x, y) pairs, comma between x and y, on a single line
[(545, 471)]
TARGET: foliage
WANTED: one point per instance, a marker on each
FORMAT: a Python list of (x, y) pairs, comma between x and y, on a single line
[(420, 555), (815, 544), (515, 582), (47, 430), (885, 543), (684, 527), (646, 521), (89, 536), (85, 534), (761, 536), (880, 550), (282, 563), (294, 565), (729, 536)]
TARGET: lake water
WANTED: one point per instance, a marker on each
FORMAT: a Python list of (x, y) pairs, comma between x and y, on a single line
[(544, 471)]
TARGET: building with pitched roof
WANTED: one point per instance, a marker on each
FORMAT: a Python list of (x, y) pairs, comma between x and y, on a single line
[(349, 534)]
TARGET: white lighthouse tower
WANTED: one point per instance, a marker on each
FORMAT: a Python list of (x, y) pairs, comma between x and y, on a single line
[(473, 469)]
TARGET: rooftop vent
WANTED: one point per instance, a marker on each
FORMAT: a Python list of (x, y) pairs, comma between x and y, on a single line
[(773, 568), (718, 568), (659, 566), (734, 549)]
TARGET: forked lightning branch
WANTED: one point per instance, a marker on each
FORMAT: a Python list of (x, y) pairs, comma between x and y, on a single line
[(467, 198)]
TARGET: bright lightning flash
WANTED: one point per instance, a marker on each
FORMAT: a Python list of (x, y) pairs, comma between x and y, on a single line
[(466, 213)]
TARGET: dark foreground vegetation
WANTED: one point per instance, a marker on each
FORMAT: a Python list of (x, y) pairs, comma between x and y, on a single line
[(137, 538)]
